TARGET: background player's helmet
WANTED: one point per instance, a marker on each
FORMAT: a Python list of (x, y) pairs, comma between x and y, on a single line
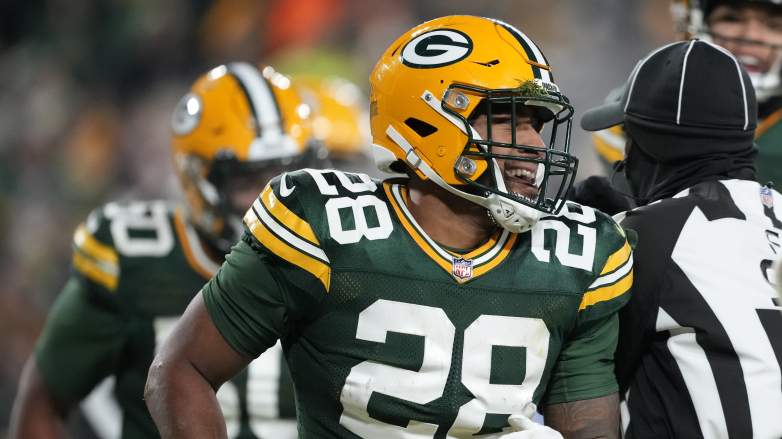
[(692, 19), (433, 79), (236, 128), (340, 120)]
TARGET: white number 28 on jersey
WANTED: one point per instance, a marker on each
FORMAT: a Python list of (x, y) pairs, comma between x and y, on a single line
[(356, 206), (428, 383)]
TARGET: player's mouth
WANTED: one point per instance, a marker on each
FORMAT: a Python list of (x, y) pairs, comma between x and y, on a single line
[(521, 181), (752, 63)]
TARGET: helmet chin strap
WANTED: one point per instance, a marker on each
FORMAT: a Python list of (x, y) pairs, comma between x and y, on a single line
[(508, 214)]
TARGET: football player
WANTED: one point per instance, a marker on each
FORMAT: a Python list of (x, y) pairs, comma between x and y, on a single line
[(751, 30), (451, 303), (137, 265), (339, 121)]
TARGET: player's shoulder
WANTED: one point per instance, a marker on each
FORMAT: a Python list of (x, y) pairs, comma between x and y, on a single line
[(593, 242), (312, 185), (589, 221), (304, 216), (117, 232), (303, 201)]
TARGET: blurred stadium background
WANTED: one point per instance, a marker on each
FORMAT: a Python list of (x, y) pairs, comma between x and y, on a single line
[(87, 87)]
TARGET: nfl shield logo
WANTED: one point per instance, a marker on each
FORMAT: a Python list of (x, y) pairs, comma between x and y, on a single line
[(462, 268), (766, 197)]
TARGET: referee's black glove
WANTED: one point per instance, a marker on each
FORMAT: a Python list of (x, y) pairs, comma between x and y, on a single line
[(597, 192)]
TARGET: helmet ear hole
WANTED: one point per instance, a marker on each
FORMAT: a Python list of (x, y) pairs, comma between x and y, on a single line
[(420, 127)]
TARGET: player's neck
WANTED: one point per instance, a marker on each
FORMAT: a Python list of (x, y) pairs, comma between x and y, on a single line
[(448, 219)]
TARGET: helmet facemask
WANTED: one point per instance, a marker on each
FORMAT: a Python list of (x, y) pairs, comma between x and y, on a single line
[(696, 19), (549, 169)]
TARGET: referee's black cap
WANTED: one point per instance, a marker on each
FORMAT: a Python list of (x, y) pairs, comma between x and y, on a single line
[(686, 99)]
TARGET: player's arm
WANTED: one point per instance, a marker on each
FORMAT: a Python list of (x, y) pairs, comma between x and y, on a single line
[(590, 418), (35, 413), (582, 398), (79, 345), (240, 313), (193, 362)]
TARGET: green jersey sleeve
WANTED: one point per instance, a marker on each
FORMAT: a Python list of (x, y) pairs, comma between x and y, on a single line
[(246, 301), (272, 276), (80, 344), (585, 366), (85, 329)]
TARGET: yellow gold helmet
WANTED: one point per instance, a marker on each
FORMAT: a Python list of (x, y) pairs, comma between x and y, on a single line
[(340, 121), (431, 81), (236, 128)]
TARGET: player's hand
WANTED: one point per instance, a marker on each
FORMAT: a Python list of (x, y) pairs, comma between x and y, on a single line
[(598, 193)]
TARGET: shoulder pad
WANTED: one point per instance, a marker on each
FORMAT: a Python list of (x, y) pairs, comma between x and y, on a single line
[(603, 251), (289, 220), (121, 230)]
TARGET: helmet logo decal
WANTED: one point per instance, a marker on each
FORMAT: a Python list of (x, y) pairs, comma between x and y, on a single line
[(187, 115), (436, 48)]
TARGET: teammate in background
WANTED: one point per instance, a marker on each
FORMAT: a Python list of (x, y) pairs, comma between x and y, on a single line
[(453, 302), (137, 265), (752, 31), (701, 339), (340, 121)]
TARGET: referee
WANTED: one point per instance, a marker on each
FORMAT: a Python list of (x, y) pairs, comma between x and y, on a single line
[(701, 340)]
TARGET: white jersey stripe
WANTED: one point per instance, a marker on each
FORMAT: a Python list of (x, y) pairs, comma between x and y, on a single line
[(286, 235), (697, 374), (614, 275)]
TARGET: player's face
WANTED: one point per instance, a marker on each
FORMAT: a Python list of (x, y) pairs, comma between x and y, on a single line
[(751, 32), (519, 176)]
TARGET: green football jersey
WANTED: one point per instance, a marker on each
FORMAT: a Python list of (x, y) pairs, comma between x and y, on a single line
[(136, 267), (768, 138), (389, 334)]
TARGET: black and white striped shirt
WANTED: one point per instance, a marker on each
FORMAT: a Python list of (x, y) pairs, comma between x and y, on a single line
[(701, 340)]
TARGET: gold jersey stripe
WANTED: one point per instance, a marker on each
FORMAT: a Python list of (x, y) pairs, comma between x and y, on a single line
[(607, 151), (446, 264), (768, 122), (473, 254), (286, 217), (413, 233), (94, 272), (617, 259), (285, 251), (608, 292), (179, 226), (91, 247), (499, 257)]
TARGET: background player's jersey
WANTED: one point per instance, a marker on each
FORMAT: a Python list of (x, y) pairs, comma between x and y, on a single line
[(136, 267), (388, 334), (768, 139), (701, 344)]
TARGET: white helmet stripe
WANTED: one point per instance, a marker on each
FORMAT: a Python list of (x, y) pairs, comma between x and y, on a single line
[(261, 98)]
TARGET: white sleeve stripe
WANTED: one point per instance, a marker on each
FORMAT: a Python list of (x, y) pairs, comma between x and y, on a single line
[(286, 235), (613, 276)]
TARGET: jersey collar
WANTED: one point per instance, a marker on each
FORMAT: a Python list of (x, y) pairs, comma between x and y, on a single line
[(462, 267)]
